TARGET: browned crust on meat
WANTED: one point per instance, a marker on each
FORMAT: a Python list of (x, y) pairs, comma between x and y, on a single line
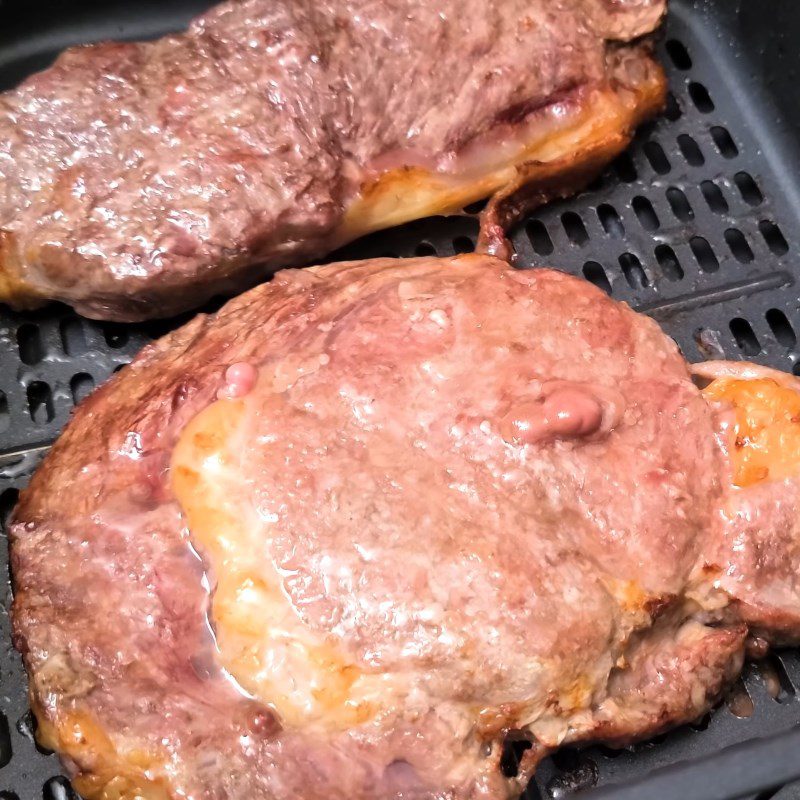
[(106, 773), (554, 163)]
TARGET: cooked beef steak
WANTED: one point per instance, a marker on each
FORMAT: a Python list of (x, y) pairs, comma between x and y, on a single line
[(138, 180), (433, 500)]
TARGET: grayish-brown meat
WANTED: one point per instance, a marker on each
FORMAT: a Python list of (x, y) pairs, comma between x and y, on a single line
[(139, 179), (433, 500)]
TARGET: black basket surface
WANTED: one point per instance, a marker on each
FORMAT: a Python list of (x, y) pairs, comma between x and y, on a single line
[(697, 225)]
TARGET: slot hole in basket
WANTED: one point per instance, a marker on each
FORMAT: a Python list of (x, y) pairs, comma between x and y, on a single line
[(645, 213), (701, 98), (714, 197), (73, 338), (27, 727), (657, 157), (748, 188), (8, 499), (5, 741), (668, 261), (609, 219), (691, 150), (463, 244), (574, 228), (425, 249), (5, 417), (724, 142), (29, 343), (673, 110), (768, 794), (40, 402), (781, 328), (701, 724), (745, 337), (625, 169), (539, 237), (514, 746), (81, 385), (678, 54), (59, 789), (594, 273), (116, 336), (738, 245), (776, 680), (633, 271), (774, 237), (703, 253), (679, 204), (476, 207)]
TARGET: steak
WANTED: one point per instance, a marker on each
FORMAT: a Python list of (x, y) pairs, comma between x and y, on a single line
[(140, 179), (340, 538)]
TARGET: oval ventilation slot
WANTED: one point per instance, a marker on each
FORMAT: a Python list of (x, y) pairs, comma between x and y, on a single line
[(714, 198), (73, 337), (745, 336), (691, 150), (738, 246), (539, 237), (40, 402), (59, 789), (701, 98), (80, 386), (748, 188), (116, 336), (673, 110), (704, 255), (781, 328), (670, 266), (645, 213), (678, 54), (463, 244), (610, 221), (724, 142), (657, 157), (679, 204), (8, 499), (625, 169), (574, 228), (5, 417), (594, 273), (774, 237), (29, 344), (633, 271)]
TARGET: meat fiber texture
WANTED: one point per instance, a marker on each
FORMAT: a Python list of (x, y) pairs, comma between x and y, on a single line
[(140, 179), (589, 577)]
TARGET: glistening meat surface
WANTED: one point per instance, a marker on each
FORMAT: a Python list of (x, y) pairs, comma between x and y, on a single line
[(421, 503), (139, 179)]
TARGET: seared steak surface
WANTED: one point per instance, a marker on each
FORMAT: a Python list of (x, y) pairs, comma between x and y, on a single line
[(419, 503), (137, 180)]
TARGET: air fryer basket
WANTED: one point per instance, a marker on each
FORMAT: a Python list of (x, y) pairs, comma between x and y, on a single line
[(696, 225)]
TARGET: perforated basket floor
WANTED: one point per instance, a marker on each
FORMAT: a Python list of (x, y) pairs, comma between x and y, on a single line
[(695, 225)]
